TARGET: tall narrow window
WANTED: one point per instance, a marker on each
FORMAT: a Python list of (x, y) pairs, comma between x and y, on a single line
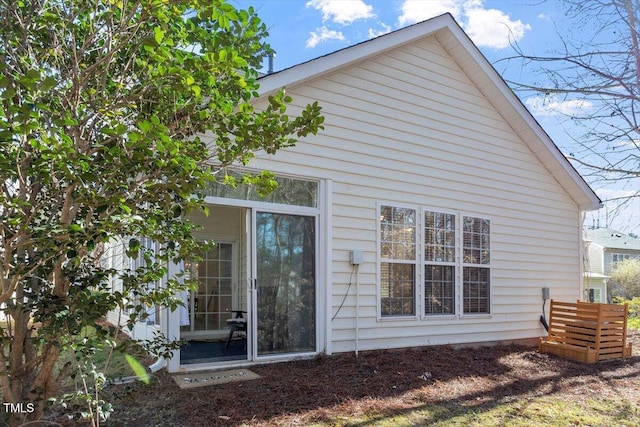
[(476, 265), (439, 267), (398, 261)]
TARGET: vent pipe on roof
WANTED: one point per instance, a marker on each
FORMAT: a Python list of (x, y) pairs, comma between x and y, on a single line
[(270, 69)]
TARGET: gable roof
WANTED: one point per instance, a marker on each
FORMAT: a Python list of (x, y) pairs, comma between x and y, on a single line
[(451, 36), (612, 239)]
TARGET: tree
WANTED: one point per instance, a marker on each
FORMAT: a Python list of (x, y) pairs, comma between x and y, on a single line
[(102, 106), (597, 68), (624, 279)]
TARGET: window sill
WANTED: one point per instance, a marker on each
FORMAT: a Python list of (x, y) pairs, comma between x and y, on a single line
[(436, 317), (397, 318), (476, 316)]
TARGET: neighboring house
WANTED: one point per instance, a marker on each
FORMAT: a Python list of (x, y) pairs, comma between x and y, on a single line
[(431, 210), (605, 247)]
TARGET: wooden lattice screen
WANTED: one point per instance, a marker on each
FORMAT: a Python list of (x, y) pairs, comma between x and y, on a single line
[(587, 332)]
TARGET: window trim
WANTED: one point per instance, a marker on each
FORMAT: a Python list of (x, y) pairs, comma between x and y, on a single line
[(454, 264), (420, 264), (463, 264), (414, 262), (623, 255)]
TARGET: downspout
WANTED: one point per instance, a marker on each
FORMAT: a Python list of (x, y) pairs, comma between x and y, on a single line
[(153, 368), (158, 364)]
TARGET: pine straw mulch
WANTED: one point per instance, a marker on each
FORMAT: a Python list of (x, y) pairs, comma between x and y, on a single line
[(381, 382)]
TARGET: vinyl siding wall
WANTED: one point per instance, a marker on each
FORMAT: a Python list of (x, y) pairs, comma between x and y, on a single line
[(409, 128), (596, 258)]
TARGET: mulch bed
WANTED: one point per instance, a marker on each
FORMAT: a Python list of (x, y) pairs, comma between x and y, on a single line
[(306, 391)]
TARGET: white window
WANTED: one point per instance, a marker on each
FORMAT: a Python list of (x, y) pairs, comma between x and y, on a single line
[(456, 262), (620, 257), (595, 295), (476, 260), (440, 258), (398, 261)]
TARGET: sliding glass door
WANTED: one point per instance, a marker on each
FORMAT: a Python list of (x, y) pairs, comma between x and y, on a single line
[(285, 255)]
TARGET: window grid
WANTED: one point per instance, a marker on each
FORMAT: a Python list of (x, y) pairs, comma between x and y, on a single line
[(439, 289), (397, 289), (619, 257), (212, 304), (439, 237), (397, 233), (475, 290), (456, 262), (439, 269), (398, 250), (475, 244), (476, 259)]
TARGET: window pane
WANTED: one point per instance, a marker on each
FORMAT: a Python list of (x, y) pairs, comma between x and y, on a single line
[(439, 237), (212, 300), (286, 283), (439, 289), (475, 290), (475, 238), (290, 191), (397, 233), (397, 289)]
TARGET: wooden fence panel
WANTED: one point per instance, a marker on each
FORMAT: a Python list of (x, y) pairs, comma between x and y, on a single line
[(587, 332)]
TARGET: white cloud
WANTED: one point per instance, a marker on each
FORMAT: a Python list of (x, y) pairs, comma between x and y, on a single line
[(486, 27), (551, 106), (493, 28), (322, 34), (418, 10), (375, 33), (545, 17), (342, 11), (615, 193)]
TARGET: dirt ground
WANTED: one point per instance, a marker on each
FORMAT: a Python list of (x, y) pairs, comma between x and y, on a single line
[(302, 392)]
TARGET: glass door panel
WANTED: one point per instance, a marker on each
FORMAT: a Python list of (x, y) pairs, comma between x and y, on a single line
[(285, 283)]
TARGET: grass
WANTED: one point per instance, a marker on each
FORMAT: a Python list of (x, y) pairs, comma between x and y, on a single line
[(544, 411)]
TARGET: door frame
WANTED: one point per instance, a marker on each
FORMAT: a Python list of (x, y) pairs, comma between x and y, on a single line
[(318, 278), (323, 272)]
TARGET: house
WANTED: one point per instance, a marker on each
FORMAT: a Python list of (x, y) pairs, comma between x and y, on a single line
[(605, 247), (431, 210)]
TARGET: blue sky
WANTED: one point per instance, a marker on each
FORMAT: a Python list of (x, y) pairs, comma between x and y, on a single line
[(301, 30)]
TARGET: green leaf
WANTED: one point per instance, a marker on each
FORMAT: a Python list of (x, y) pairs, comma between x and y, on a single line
[(75, 228), (48, 83), (138, 369), (158, 35)]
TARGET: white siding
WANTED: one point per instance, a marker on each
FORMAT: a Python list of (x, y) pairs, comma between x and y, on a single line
[(596, 258), (409, 127)]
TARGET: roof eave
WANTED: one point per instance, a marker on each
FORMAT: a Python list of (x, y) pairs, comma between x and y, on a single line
[(487, 79)]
